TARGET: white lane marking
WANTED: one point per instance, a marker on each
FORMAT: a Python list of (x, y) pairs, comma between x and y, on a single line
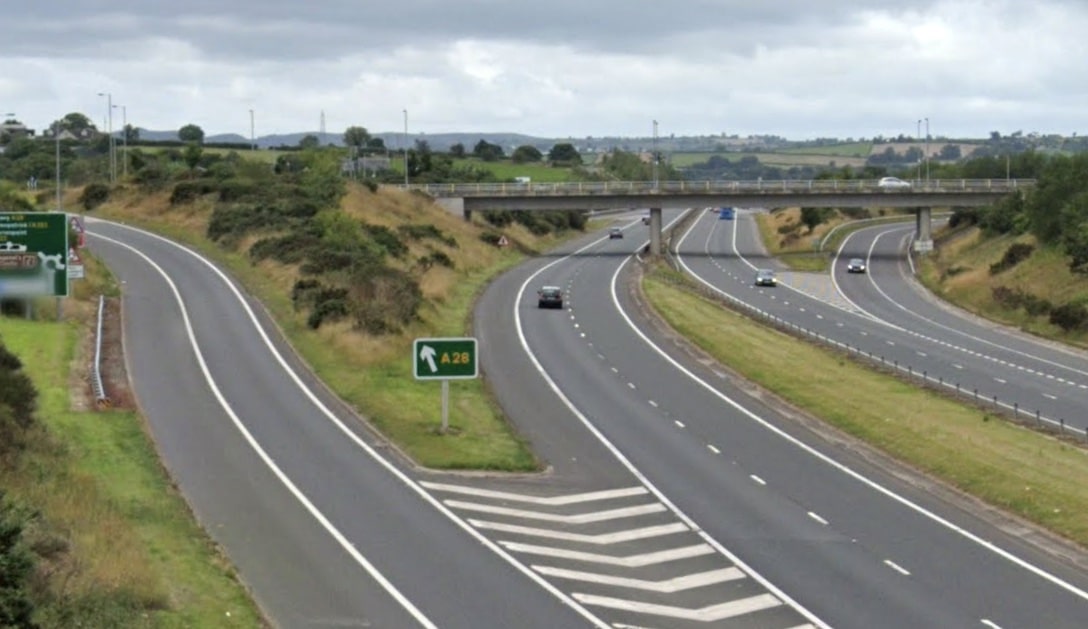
[(615, 370), (679, 423), (816, 517), (668, 586), (894, 566), (1048, 395), (349, 434), (865, 480), (579, 518), (631, 385), (602, 539), (1000, 380), (712, 613), (758, 479), (293, 489), (652, 403), (552, 501), (957, 365), (631, 561), (713, 449), (990, 623)]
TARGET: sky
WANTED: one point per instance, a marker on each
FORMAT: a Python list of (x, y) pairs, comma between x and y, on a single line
[(557, 69)]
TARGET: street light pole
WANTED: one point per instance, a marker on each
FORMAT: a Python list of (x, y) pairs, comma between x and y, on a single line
[(252, 137), (109, 133), (927, 151), (405, 149), (56, 176), (918, 139), (654, 156)]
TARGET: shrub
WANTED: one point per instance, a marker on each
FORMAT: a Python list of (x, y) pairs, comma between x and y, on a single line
[(94, 195), (1013, 298), (16, 568), (491, 237), (386, 239), (235, 190), (421, 232), (433, 258), (189, 191), (1069, 317), (1015, 254)]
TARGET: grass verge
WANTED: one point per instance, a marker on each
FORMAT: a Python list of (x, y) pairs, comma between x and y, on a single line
[(1034, 476), (120, 546)]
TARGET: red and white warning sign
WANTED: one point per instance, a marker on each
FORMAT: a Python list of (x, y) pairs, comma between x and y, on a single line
[(75, 265), (503, 242)]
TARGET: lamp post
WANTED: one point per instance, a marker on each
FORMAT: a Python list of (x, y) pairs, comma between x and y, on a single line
[(124, 141), (654, 156), (56, 176), (252, 137), (109, 133), (405, 149), (927, 152), (918, 139)]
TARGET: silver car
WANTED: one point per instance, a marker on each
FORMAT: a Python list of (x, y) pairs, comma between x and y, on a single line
[(766, 277), (893, 183), (855, 265)]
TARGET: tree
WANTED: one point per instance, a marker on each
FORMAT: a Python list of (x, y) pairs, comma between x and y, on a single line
[(309, 142), (76, 124), (457, 150), (526, 153), (565, 153), (951, 152), (487, 152), (191, 133), (16, 567), (357, 137), (813, 216), (193, 155), (130, 133)]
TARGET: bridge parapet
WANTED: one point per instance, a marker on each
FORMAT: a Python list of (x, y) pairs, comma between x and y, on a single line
[(775, 188)]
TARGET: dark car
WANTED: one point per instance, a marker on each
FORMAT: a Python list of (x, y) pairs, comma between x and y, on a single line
[(615, 232), (550, 297), (855, 265), (766, 277)]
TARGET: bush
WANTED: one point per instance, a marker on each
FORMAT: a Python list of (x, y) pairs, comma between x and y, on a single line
[(94, 195), (1070, 317), (189, 191), (290, 249), (1014, 298), (235, 190), (433, 258), (16, 568), (1015, 254), (491, 238), (386, 239), (421, 232)]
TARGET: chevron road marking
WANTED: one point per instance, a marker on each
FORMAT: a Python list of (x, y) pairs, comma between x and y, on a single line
[(631, 561), (580, 518), (553, 501), (601, 539), (712, 613), (668, 586)]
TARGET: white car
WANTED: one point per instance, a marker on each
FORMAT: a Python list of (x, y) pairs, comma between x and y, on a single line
[(855, 265), (892, 183)]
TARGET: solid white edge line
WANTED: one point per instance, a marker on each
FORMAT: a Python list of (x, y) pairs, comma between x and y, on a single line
[(267, 459), (843, 468), (389, 466), (623, 460)]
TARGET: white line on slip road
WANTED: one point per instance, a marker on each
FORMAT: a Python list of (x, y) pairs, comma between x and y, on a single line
[(894, 566), (922, 354), (1047, 395), (552, 501), (713, 449), (668, 586), (712, 613), (653, 403), (614, 370), (758, 479), (578, 518), (630, 385), (816, 517), (631, 561), (678, 423), (957, 366), (602, 539), (990, 623), (1000, 380)]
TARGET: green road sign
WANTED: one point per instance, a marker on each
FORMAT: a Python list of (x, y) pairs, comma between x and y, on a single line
[(444, 359), (33, 254)]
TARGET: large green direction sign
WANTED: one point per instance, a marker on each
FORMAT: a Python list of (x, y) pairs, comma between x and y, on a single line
[(33, 254), (444, 359)]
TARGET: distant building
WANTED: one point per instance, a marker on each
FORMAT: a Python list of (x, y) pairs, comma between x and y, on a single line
[(12, 129)]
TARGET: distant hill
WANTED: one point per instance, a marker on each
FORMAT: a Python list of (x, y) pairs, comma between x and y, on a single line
[(395, 141)]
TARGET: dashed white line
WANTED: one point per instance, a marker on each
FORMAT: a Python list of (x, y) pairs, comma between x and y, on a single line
[(990, 623), (713, 449), (894, 566), (758, 479), (1000, 380), (653, 403), (678, 423), (615, 370), (816, 517), (630, 385), (1047, 395)]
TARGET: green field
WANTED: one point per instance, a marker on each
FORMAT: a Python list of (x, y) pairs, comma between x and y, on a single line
[(506, 170)]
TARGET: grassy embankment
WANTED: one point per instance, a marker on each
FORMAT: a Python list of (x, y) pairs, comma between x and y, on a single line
[(120, 547), (373, 374), (1032, 475), (790, 241)]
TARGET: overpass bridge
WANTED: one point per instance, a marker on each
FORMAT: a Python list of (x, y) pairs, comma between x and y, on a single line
[(603, 195)]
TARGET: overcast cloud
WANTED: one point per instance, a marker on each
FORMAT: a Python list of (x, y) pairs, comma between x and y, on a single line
[(563, 68)]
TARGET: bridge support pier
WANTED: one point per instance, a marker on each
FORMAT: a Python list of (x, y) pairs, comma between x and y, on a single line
[(923, 232), (655, 231)]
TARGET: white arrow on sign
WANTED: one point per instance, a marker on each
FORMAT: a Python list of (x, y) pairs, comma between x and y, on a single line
[(427, 353)]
